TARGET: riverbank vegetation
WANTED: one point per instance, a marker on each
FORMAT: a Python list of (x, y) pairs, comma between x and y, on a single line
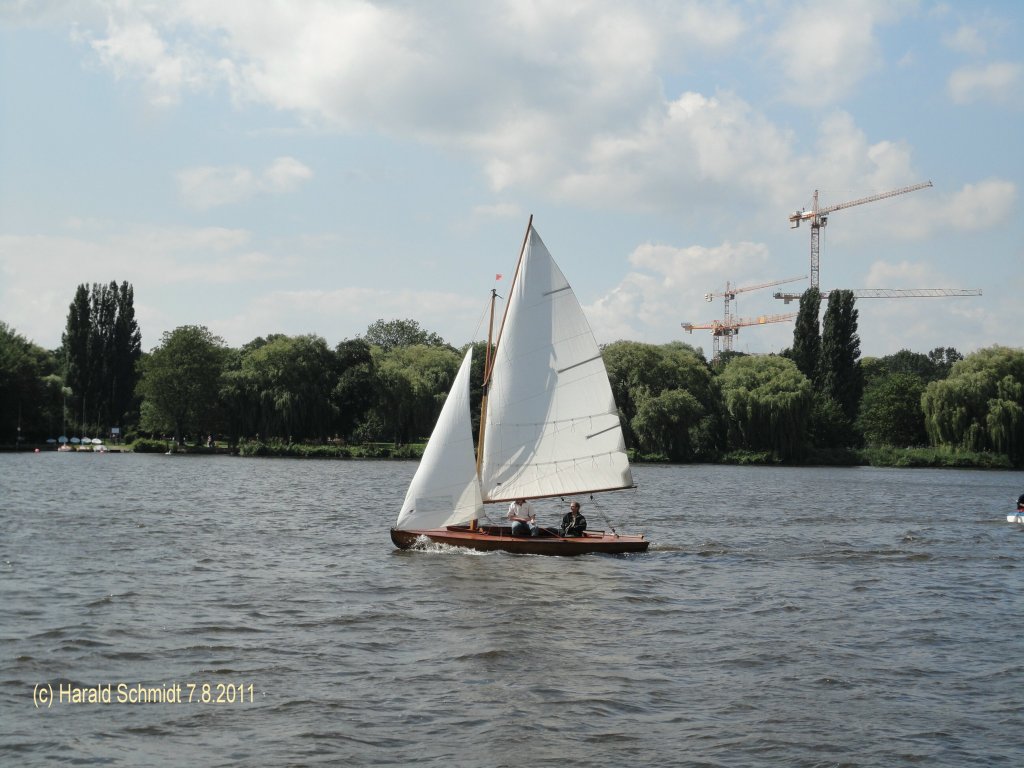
[(378, 395)]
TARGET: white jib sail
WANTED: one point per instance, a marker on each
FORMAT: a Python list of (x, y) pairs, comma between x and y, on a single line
[(445, 489), (552, 425)]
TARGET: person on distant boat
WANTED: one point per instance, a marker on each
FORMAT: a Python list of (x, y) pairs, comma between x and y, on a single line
[(574, 523), (1020, 503), (524, 520)]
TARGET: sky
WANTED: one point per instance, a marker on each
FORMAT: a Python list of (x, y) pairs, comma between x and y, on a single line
[(314, 166)]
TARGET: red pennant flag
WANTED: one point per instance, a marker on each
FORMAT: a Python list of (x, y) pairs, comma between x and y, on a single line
[(497, 277)]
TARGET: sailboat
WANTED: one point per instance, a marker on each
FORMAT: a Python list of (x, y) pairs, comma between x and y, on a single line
[(549, 427)]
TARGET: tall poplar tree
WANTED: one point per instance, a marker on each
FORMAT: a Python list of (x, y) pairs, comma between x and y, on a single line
[(839, 374), (75, 346), (806, 334), (126, 349), (101, 346)]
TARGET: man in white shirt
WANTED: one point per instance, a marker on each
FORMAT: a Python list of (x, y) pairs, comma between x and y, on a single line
[(524, 520)]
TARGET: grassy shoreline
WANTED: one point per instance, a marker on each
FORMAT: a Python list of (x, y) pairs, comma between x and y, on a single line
[(882, 456)]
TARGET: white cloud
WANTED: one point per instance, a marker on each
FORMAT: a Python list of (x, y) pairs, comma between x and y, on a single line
[(137, 49), (499, 211), (667, 286), (921, 324), (967, 39), (568, 97), (346, 312), (695, 152), (49, 268), (205, 187), (826, 49), (998, 82), (982, 205)]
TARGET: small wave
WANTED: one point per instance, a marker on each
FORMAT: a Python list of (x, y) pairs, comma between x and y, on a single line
[(834, 682), (667, 548), (147, 730), (497, 654)]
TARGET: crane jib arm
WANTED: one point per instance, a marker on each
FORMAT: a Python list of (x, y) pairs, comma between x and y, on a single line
[(816, 213)]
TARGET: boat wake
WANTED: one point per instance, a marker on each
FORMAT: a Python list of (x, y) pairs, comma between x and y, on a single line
[(424, 544)]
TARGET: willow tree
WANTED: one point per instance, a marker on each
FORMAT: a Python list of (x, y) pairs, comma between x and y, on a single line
[(980, 406), (289, 381), (767, 401), (413, 383), (665, 424), (642, 373)]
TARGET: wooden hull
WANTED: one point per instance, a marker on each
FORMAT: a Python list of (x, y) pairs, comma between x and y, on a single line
[(493, 538)]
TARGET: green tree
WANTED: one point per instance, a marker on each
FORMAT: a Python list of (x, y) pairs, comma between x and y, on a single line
[(76, 353), (890, 411), (355, 391), (943, 359), (839, 372), (914, 363), (181, 382), (664, 423), (125, 353), (29, 401), (413, 383), (639, 372), (979, 406), (767, 400), (388, 334), (101, 347), (291, 382), (806, 349)]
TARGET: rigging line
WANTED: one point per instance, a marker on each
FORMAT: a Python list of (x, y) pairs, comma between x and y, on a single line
[(480, 322), (603, 515)]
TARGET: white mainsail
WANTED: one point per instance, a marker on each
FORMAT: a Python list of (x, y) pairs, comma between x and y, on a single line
[(445, 489), (552, 425)]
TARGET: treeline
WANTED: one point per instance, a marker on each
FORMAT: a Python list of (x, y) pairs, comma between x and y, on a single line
[(818, 401)]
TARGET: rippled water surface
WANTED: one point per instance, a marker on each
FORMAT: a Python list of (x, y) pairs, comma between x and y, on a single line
[(789, 617)]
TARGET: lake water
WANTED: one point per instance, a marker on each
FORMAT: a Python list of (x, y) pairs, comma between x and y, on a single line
[(783, 617)]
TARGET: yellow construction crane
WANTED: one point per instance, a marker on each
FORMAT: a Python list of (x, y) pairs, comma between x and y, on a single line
[(726, 329), (893, 293), (729, 294), (818, 218), (729, 325)]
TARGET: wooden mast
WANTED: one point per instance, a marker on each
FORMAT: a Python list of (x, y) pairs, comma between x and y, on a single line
[(491, 353)]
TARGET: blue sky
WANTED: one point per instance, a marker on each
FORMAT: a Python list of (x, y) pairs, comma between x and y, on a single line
[(312, 166)]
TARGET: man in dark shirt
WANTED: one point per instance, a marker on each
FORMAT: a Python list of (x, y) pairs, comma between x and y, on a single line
[(574, 524)]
